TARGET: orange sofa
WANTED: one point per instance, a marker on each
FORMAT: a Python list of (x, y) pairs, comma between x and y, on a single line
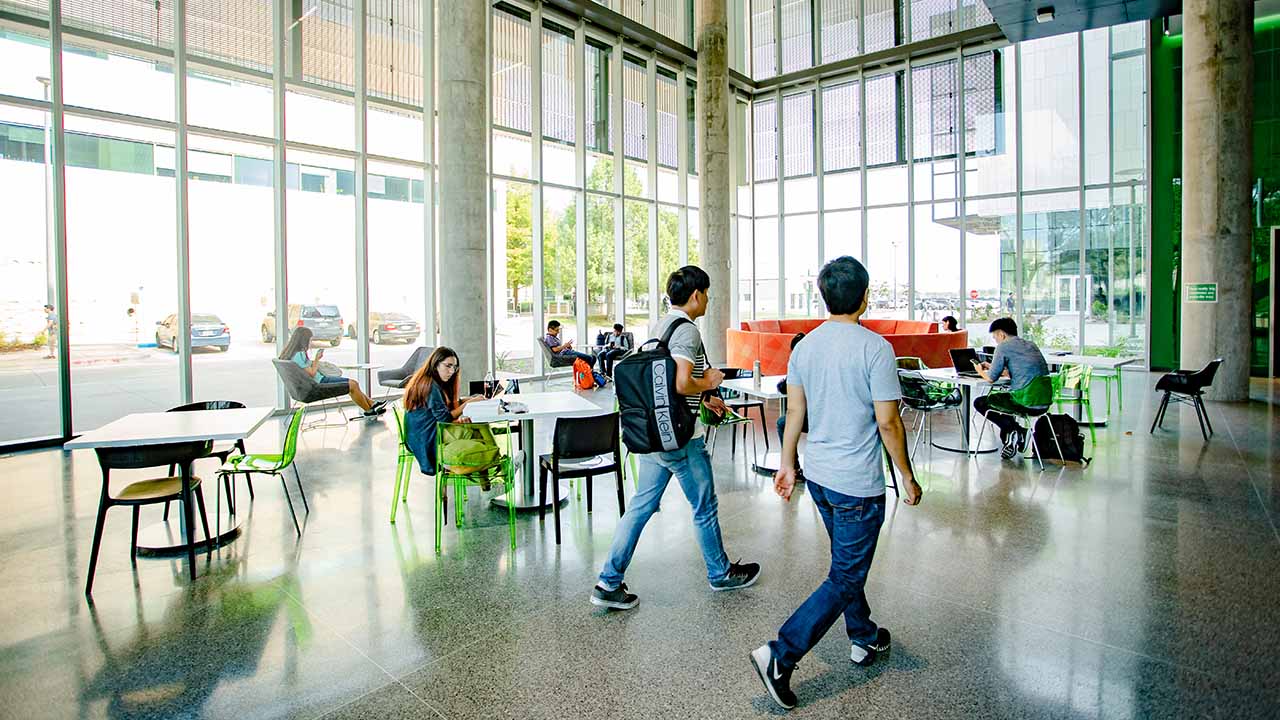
[(769, 341)]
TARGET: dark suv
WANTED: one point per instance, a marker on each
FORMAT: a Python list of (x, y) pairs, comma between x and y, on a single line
[(389, 327), (325, 322)]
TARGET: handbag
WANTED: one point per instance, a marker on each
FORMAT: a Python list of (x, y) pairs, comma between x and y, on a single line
[(328, 369)]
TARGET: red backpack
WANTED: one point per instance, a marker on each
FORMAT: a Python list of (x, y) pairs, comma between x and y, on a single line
[(583, 378)]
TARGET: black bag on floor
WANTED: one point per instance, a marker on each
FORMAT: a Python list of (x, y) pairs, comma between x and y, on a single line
[(1069, 437), (654, 417)]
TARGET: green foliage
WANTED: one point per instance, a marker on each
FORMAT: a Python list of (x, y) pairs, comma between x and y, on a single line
[(41, 339)]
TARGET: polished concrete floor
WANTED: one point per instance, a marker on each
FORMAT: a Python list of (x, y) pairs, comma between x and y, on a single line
[(1147, 585)]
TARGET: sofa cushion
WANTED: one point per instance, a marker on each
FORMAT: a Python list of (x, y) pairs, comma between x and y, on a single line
[(881, 326), (799, 325), (912, 327), (766, 326)]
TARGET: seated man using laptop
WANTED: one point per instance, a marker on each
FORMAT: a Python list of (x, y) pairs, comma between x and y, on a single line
[(1030, 389)]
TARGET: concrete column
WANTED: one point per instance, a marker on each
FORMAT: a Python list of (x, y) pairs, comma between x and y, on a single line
[(464, 306), (715, 179), (1217, 175)]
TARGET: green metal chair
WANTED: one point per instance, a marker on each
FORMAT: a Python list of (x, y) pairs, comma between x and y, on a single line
[(272, 464), (1071, 387), (404, 466), (1113, 376), (500, 471)]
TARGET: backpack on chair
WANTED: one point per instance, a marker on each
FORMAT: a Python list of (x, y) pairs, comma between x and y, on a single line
[(1068, 434), (583, 379)]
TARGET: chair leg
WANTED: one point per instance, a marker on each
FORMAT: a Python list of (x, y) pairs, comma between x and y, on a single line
[(622, 503), (97, 542), (440, 510), (509, 486), (1093, 430), (249, 481), (166, 507), (395, 493), (1195, 402), (204, 517), (542, 491), (1119, 390), (1155, 422), (298, 479), (285, 486), (555, 504), (733, 441), (1205, 409), (764, 428), (226, 483), (133, 537), (588, 483), (916, 444)]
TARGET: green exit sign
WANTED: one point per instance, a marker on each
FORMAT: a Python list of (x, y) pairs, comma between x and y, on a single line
[(1202, 292)]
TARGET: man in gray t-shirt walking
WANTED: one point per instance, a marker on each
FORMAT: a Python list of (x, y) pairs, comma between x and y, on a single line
[(846, 378)]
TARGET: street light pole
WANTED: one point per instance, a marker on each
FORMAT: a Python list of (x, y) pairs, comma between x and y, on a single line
[(50, 257)]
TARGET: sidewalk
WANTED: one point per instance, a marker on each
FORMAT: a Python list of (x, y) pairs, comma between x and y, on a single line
[(81, 356)]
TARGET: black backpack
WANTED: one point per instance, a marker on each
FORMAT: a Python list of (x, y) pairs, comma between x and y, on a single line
[(654, 417), (1067, 431)]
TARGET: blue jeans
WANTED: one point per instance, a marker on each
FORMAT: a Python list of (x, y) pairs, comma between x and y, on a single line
[(591, 360), (692, 467), (853, 524)]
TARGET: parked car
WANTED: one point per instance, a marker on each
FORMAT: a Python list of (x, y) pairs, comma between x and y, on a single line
[(206, 331), (325, 322), (390, 327)]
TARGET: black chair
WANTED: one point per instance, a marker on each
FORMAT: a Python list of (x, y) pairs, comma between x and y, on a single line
[(552, 360), (150, 492), (580, 439), (1187, 386), (397, 378), (741, 405), (222, 452)]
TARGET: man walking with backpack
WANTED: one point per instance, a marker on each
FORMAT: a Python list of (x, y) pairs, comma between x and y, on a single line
[(846, 378), (687, 288)]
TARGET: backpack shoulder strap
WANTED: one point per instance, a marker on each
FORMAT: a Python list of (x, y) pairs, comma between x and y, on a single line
[(665, 340)]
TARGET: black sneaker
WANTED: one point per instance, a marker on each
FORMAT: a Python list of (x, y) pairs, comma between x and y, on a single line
[(618, 599), (1010, 448), (864, 655), (740, 575), (776, 679)]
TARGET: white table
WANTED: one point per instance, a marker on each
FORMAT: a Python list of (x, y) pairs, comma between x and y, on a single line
[(966, 385), (364, 380), (767, 390), (162, 428), (542, 406), (1097, 362)]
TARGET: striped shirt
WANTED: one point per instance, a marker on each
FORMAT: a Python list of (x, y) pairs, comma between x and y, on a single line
[(686, 344)]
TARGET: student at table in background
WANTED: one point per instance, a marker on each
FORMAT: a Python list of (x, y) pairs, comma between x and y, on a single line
[(298, 350), (950, 324), (617, 345), (430, 398), (1030, 389), (563, 349)]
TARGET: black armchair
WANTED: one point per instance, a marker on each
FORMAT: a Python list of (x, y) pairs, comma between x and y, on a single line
[(553, 360), (1187, 386), (304, 389)]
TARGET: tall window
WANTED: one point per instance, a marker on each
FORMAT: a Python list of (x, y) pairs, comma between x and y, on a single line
[(839, 29), (599, 120), (512, 95), (558, 122), (764, 58), (797, 35)]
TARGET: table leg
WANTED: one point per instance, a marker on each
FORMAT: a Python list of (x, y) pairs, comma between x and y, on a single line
[(526, 497), (966, 415)]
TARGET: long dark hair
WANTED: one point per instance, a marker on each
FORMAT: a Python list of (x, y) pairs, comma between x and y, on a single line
[(418, 389), (299, 341)]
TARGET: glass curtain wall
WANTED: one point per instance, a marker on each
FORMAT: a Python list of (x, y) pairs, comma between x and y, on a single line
[(132, 347), (999, 180)]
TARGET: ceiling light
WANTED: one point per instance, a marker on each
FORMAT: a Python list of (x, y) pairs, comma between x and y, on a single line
[(1044, 14)]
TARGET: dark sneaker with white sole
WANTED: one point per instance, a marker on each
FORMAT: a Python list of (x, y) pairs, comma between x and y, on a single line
[(740, 575), (864, 655), (617, 599), (1010, 446), (776, 679)]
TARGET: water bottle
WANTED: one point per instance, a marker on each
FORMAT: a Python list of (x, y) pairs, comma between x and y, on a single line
[(755, 373)]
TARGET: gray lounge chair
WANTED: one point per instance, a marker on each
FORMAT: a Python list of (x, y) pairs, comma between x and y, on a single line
[(397, 378), (304, 389), (554, 361)]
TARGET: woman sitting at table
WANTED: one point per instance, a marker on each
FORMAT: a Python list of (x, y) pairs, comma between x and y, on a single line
[(298, 350), (431, 397)]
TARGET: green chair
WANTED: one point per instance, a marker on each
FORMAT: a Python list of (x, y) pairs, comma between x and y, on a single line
[(272, 464), (1071, 387), (500, 471), (1113, 376), (404, 466)]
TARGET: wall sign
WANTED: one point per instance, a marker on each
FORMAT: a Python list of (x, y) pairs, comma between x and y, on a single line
[(1202, 292)]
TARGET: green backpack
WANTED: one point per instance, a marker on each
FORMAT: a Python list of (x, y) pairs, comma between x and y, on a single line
[(467, 446)]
